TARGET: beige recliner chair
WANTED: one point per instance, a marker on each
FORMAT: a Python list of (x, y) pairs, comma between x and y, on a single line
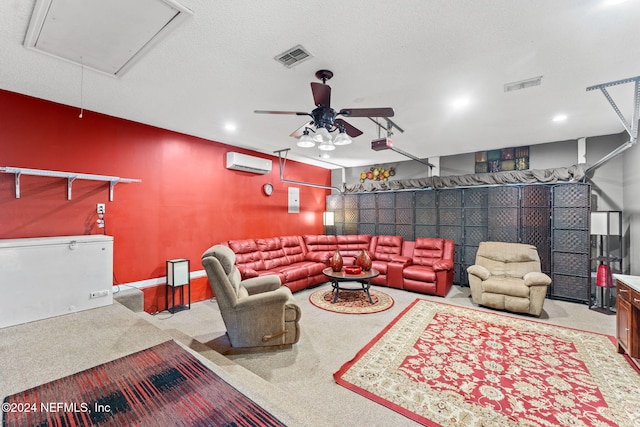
[(259, 313), (507, 276)]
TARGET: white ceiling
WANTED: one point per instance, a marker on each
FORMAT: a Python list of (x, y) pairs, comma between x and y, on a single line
[(416, 56)]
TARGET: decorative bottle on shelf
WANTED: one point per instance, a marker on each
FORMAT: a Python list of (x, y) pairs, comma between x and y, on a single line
[(336, 261), (364, 260)]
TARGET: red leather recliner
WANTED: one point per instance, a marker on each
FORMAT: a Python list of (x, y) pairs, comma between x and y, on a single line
[(431, 267), (383, 250)]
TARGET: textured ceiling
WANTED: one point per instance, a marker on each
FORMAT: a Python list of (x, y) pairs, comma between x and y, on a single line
[(416, 56)]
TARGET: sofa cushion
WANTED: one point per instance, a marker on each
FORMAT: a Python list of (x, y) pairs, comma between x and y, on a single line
[(506, 302), (320, 243), (428, 250), (506, 286), (300, 270), (384, 248), (293, 249), (508, 259), (247, 254), (419, 272), (351, 245), (272, 252)]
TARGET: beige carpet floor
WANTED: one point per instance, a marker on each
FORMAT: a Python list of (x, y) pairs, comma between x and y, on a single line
[(296, 385), (42, 351), (330, 339)]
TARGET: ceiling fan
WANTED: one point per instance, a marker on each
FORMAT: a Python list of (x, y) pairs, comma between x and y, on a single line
[(325, 119)]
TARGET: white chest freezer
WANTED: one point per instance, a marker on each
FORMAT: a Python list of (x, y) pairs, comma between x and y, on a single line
[(44, 277)]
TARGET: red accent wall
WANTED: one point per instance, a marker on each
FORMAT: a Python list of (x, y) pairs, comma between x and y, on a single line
[(186, 202)]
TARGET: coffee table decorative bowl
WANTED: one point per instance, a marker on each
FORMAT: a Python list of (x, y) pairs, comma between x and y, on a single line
[(353, 270), (362, 277)]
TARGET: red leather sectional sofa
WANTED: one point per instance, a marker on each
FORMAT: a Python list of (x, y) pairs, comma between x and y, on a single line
[(424, 266)]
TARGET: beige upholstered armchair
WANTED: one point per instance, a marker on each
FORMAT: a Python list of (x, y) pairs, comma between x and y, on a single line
[(259, 313), (507, 276)]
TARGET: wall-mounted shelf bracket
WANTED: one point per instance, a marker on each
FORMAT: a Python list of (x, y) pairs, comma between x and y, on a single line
[(631, 128), (282, 160), (70, 176)]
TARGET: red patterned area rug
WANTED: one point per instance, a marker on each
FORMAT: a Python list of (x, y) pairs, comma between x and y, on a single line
[(444, 365), (351, 302), (160, 386)]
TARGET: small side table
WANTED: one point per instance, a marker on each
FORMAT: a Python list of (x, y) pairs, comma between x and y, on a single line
[(178, 277)]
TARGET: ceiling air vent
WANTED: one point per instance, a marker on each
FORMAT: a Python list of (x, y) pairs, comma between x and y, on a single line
[(535, 81), (293, 56)]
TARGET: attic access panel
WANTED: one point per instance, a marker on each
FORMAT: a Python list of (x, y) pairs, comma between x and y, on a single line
[(106, 36)]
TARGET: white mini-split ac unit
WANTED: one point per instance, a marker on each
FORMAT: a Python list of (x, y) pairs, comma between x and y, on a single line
[(245, 163)]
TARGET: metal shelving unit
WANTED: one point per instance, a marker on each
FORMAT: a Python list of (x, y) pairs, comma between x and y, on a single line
[(69, 176)]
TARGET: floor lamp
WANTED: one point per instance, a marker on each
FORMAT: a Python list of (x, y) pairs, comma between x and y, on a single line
[(603, 225)]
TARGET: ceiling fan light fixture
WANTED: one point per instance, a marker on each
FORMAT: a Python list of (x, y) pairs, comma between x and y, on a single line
[(342, 139), (322, 135), (326, 146), (324, 120), (306, 140)]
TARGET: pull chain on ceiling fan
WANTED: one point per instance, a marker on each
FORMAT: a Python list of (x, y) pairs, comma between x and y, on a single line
[(324, 119)]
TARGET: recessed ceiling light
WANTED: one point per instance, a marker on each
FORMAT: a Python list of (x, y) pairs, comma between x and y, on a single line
[(607, 3), (559, 118), (230, 127), (460, 102)]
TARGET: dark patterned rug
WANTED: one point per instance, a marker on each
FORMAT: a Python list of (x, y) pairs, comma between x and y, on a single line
[(162, 385)]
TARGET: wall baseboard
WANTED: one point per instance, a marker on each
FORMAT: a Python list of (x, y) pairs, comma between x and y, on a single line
[(158, 281)]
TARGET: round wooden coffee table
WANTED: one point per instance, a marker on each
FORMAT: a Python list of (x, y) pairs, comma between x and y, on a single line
[(337, 277)]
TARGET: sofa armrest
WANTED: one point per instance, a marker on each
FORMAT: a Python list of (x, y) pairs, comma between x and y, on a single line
[(534, 278), (320, 256), (442, 265), (264, 308), (479, 271), (401, 259), (258, 285)]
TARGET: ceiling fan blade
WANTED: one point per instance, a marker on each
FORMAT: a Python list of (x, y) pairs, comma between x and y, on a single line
[(367, 112), (353, 132), (321, 94), (298, 132), (294, 113)]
